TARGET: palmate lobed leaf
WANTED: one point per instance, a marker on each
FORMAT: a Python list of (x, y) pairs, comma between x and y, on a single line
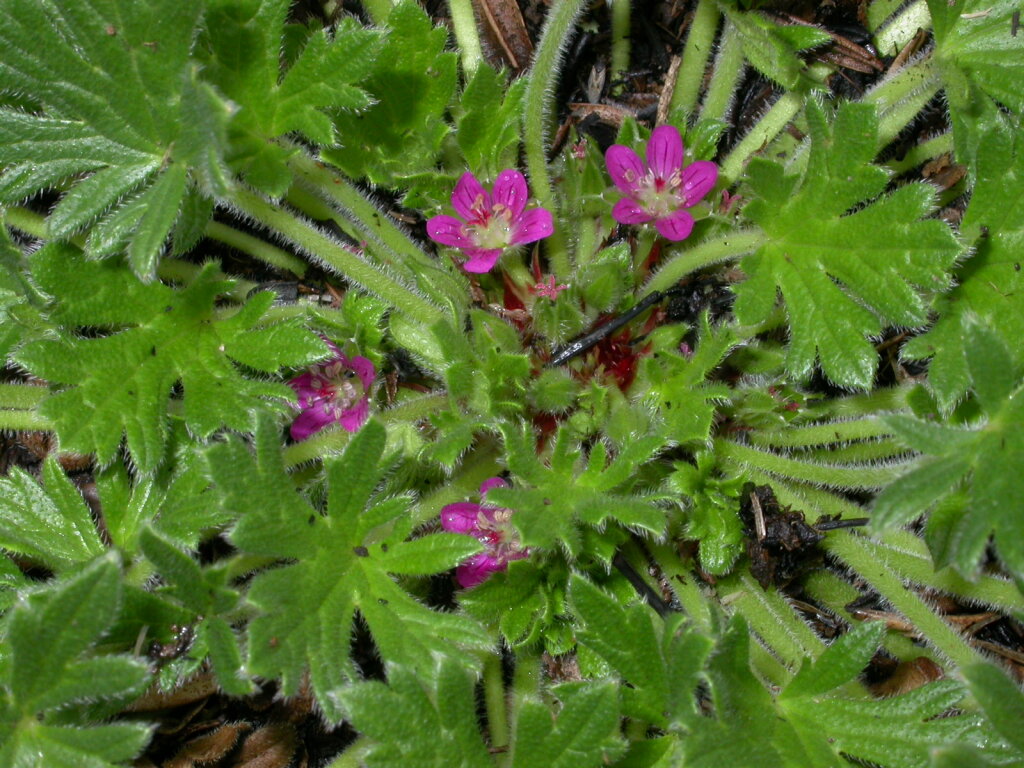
[(308, 606), (48, 633), (843, 276), (990, 285), (121, 383), (985, 460), (110, 76)]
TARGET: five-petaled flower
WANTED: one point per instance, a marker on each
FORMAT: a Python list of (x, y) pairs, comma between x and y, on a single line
[(548, 289), (491, 221), (662, 188), (336, 391), (491, 526)]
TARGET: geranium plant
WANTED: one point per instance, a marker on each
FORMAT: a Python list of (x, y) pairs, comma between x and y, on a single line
[(389, 385)]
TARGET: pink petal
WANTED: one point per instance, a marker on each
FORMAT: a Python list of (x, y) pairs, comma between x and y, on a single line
[(698, 179), (447, 230), (629, 211), (533, 225), (481, 260), (493, 482), (511, 191), (625, 167), (477, 569), (353, 418), (364, 369), (460, 517), (676, 226), (303, 386), (469, 194), (309, 423), (665, 151)]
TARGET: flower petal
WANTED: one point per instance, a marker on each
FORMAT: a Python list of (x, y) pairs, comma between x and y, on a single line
[(447, 230), (676, 226), (460, 517), (533, 225), (364, 369), (665, 151), (625, 167), (303, 386), (493, 482), (310, 422), (698, 179), (511, 191), (353, 418), (469, 194), (481, 259), (477, 569), (629, 211)]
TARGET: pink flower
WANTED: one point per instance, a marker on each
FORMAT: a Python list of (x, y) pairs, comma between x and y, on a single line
[(660, 189), (491, 526), (492, 222), (336, 391)]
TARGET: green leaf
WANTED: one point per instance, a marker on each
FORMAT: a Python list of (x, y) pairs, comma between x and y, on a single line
[(986, 459), (841, 662), (413, 80), (47, 634), (1000, 699), (110, 75), (842, 275), (772, 48), (308, 605), (488, 128), (990, 285), (121, 383), (52, 526), (585, 733), (439, 724)]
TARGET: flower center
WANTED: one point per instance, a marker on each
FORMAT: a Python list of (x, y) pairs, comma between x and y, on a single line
[(489, 229), (339, 385), (658, 196), (496, 533)]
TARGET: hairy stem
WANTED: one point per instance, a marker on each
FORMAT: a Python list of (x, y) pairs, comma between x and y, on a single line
[(467, 37), (699, 43), (687, 260), (23, 420), (621, 10), (725, 75), (821, 434), (856, 552), (21, 396), (899, 98), (540, 91), (309, 238), (258, 249), (495, 702)]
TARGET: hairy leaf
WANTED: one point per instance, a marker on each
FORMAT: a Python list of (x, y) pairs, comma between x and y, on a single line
[(121, 383), (846, 261), (308, 606), (49, 634)]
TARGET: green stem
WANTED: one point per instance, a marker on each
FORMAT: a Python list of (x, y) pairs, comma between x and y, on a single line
[(821, 434), (699, 43), (258, 249), (874, 568), (467, 38), (922, 153), (724, 75), (729, 246), (621, 10), (21, 396), (495, 702), (835, 476), (28, 421), (480, 464), (901, 29), (899, 98), (767, 128), (29, 222), (772, 618), (540, 91), (372, 223), (307, 237)]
